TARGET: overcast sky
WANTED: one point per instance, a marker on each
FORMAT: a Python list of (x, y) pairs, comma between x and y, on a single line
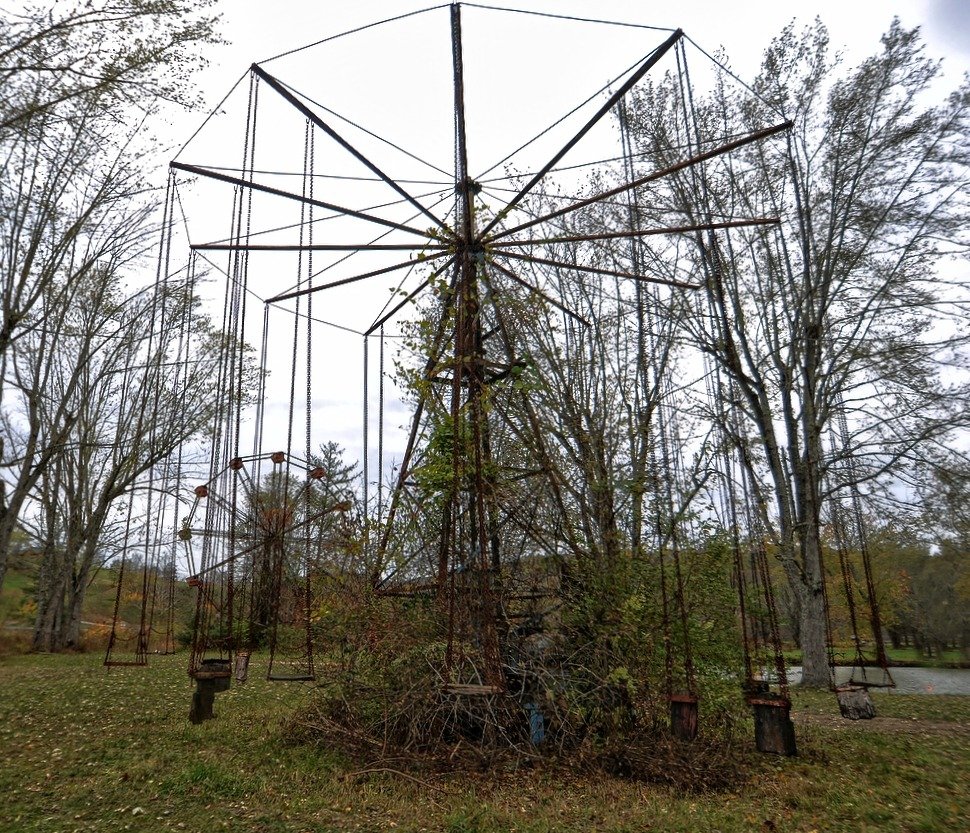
[(396, 80), (257, 29)]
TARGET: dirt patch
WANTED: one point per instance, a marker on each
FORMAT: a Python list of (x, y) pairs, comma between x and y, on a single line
[(883, 724)]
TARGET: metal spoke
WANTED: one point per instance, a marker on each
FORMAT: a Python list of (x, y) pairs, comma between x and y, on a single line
[(317, 247), (410, 297), (720, 150), (277, 192), (299, 105), (613, 273), (343, 281), (644, 68), (562, 307), (633, 233)]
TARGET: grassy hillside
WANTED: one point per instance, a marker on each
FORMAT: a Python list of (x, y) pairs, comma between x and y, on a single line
[(17, 597), (18, 607), (17, 604)]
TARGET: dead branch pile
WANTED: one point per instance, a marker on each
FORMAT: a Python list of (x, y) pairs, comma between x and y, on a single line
[(577, 693)]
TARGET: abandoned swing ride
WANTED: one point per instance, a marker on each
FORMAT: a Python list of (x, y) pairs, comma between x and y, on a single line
[(500, 267)]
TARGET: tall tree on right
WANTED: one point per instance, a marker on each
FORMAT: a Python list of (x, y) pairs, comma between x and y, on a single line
[(837, 338)]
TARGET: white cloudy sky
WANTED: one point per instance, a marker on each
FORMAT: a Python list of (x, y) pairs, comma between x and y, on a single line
[(258, 29), (398, 83)]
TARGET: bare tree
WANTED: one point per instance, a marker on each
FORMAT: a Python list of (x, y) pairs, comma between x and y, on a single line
[(79, 80), (146, 388), (48, 253), (847, 313), (115, 52)]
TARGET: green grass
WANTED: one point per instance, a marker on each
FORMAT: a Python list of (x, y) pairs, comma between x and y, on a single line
[(906, 656), (911, 655), (916, 707), (17, 604), (88, 750), (15, 597)]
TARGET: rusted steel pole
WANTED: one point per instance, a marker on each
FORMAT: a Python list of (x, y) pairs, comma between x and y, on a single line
[(642, 70)]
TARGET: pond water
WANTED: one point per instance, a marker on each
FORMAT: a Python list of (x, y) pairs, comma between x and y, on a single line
[(908, 680)]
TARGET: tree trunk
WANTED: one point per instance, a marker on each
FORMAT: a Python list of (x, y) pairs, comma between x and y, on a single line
[(70, 635), (48, 621), (51, 583), (815, 661), (79, 568), (812, 613)]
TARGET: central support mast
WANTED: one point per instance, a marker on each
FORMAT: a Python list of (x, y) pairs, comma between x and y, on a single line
[(467, 577)]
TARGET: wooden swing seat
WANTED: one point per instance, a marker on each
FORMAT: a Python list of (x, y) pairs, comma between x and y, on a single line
[(213, 669), (211, 675), (472, 690), (854, 702)]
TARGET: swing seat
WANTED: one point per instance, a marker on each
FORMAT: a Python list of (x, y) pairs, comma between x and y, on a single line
[(855, 702), (214, 672), (472, 690), (291, 678), (683, 716), (210, 674), (860, 665), (773, 730), (865, 682)]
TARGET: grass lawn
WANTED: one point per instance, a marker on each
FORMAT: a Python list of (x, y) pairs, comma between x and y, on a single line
[(912, 655), (84, 749), (904, 656)]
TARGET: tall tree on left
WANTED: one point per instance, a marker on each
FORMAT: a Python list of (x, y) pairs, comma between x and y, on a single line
[(80, 79), (148, 385)]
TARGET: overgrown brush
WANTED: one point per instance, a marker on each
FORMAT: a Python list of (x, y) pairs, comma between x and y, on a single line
[(588, 688)]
